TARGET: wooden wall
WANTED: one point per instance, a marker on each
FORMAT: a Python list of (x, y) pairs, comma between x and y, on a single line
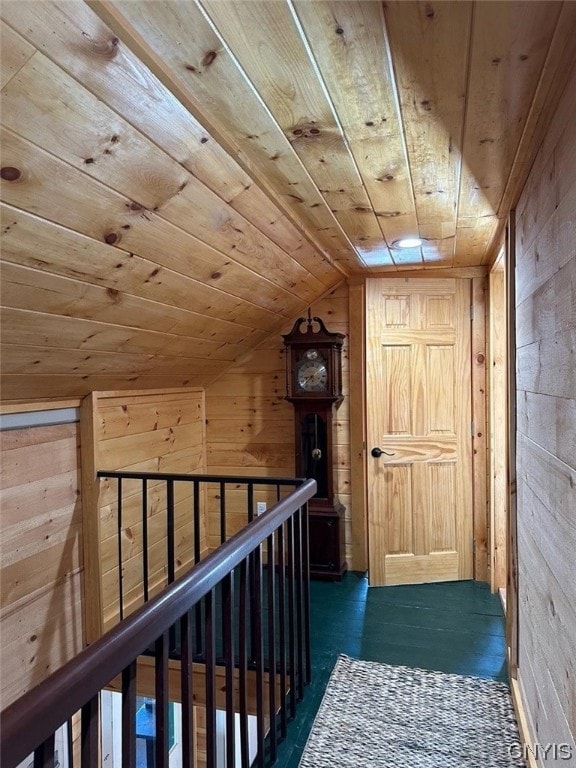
[(546, 444), (250, 427), (147, 431), (41, 555)]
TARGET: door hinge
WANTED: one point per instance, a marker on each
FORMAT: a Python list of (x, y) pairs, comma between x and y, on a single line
[(474, 546), (472, 428), (471, 311)]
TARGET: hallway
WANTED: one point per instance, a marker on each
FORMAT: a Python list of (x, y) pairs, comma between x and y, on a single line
[(455, 627)]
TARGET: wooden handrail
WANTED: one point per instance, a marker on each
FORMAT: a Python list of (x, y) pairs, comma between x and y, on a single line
[(52, 702)]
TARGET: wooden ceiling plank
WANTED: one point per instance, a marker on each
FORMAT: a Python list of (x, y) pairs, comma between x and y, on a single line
[(248, 172), (26, 387), (253, 204), (15, 52), (54, 190), (510, 42), (32, 327), (438, 253), (474, 236), (74, 37), (26, 288), (49, 108), (360, 224), (268, 46), (200, 72), (441, 273), (429, 44), (54, 360), (350, 47), (44, 360), (48, 247)]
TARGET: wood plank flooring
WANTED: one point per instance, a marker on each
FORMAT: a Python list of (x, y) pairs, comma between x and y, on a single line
[(452, 627)]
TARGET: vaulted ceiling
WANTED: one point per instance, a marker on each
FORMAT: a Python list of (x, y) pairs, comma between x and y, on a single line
[(179, 179)]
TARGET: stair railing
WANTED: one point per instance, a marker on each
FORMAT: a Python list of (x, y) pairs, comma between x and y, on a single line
[(194, 512), (255, 634)]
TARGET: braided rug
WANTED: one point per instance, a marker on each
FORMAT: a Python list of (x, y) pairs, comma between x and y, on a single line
[(377, 715)]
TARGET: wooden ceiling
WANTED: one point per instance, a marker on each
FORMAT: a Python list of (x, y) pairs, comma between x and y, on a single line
[(180, 179)]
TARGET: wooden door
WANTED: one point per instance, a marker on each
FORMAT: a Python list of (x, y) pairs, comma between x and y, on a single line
[(420, 503)]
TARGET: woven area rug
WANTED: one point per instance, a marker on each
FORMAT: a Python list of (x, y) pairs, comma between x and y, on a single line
[(382, 716)]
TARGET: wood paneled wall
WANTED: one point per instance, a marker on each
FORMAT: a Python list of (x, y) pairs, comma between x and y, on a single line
[(546, 445), (250, 427), (154, 431), (41, 555)]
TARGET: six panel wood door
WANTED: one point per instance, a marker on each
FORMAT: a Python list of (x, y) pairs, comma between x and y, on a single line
[(420, 504)]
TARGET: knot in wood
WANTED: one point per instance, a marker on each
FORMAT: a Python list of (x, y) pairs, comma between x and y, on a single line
[(9, 173)]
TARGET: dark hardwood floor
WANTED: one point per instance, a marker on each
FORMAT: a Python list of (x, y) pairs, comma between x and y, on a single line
[(452, 627)]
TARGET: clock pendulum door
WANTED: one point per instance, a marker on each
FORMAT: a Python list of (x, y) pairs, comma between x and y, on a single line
[(313, 451), (314, 458)]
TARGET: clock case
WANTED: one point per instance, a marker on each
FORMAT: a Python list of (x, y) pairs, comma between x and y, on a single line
[(314, 440)]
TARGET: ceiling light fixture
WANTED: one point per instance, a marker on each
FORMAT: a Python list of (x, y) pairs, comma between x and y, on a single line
[(408, 242)]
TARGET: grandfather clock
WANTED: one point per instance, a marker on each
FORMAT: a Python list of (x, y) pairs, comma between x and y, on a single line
[(314, 387)]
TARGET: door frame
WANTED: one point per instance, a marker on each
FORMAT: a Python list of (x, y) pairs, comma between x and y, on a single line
[(512, 624), (477, 277), (498, 419)]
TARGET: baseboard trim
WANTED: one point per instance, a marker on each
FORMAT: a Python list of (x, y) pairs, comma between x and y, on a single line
[(526, 735)]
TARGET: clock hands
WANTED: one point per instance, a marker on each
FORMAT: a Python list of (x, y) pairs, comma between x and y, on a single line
[(312, 375)]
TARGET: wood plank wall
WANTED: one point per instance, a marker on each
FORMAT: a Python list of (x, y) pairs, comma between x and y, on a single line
[(546, 412), (250, 427), (41, 555), (147, 431)]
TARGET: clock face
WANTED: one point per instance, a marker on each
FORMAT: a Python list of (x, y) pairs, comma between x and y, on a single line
[(311, 373)]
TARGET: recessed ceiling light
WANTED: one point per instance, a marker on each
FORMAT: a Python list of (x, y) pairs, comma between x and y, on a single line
[(408, 242)]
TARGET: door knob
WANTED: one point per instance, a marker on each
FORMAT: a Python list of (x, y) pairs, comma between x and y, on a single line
[(377, 452)]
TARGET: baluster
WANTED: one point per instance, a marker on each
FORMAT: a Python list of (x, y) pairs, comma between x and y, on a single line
[(256, 615), (210, 644), (186, 688), (243, 663), (282, 628), (129, 716), (291, 617), (196, 513), (70, 743), (161, 689), (44, 755), (222, 512), (197, 556), (170, 529), (89, 732), (306, 589), (145, 537), (271, 586), (228, 639), (250, 502), (299, 577), (119, 534)]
